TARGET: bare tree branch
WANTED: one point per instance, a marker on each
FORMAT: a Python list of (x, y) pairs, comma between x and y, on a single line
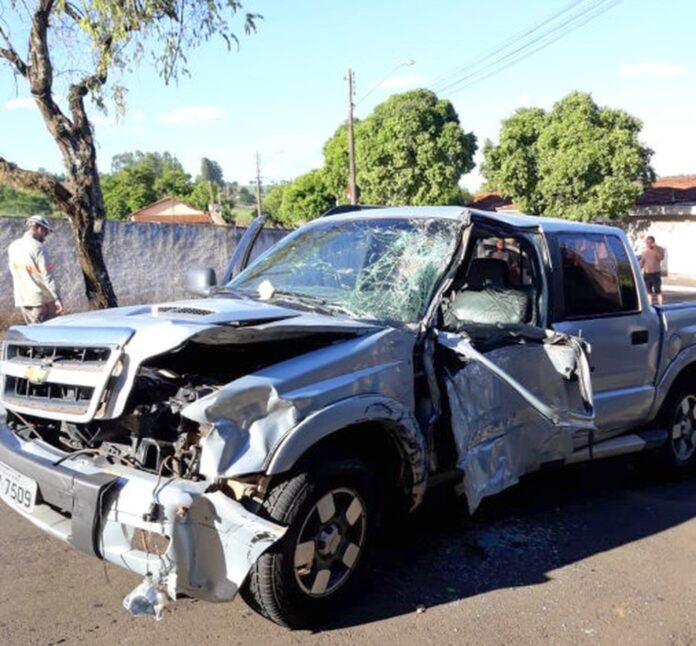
[(39, 56), (74, 13), (40, 76), (11, 55), (35, 181), (78, 91)]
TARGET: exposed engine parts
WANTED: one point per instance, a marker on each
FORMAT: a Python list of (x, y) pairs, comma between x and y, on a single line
[(151, 434)]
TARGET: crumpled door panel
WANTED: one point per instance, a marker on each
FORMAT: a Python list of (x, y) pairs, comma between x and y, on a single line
[(515, 407)]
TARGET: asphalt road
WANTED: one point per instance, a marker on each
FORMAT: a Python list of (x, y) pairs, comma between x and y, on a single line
[(592, 554)]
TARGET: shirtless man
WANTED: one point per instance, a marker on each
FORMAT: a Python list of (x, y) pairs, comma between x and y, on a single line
[(650, 264)]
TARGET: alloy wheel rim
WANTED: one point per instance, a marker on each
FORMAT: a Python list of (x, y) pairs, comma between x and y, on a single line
[(330, 543), (683, 431)]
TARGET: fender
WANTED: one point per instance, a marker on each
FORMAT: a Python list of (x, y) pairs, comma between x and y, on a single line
[(685, 358), (355, 410)]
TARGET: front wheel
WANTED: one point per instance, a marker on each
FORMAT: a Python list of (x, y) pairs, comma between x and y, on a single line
[(332, 513)]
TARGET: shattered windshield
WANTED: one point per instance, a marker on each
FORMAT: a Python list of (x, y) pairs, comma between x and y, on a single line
[(374, 269)]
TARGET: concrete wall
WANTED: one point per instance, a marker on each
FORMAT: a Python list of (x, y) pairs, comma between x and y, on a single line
[(147, 262), (677, 237)]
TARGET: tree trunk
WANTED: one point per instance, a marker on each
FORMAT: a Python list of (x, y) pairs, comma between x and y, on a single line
[(87, 220)]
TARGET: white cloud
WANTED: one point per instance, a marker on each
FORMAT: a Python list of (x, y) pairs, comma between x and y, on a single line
[(193, 114), (138, 116), (20, 104), (653, 69), (405, 80)]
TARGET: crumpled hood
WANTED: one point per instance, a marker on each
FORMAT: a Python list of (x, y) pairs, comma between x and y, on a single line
[(138, 333), (193, 312)]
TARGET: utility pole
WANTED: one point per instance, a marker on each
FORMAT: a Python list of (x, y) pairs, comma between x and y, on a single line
[(351, 143), (258, 184)]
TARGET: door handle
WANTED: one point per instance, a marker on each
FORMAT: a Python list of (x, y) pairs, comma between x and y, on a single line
[(639, 337)]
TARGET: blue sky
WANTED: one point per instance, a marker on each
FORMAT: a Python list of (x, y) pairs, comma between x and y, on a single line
[(284, 92)]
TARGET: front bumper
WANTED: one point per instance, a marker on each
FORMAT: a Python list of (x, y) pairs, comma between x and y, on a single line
[(191, 540)]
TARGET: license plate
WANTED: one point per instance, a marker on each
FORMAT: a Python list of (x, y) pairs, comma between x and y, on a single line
[(17, 490)]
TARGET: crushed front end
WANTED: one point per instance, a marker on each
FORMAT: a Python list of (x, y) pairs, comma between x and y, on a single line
[(122, 485)]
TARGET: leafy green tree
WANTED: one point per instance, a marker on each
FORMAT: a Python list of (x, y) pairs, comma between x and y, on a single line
[(305, 199), (74, 47), (410, 150), (211, 171), (336, 164), (202, 194), (173, 181), (142, 178), (272, 202), (246, 196), (579, 161), (18, 202)]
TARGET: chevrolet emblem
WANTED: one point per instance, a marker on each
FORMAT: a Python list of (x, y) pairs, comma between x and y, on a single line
[(36, 374)]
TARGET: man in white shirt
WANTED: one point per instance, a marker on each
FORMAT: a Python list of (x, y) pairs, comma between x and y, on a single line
[(35, 291)]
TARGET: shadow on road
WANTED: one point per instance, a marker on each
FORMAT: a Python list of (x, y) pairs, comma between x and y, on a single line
[(551, 519)]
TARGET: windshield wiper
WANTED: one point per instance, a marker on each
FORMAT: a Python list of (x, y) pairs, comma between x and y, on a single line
[(230, 291), (311, 302)]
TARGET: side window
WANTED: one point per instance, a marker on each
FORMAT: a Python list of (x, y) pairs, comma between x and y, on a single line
[(597, 276)]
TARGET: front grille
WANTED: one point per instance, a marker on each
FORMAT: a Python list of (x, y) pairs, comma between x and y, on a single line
[(20, 391), (56, 381), (58, 355)]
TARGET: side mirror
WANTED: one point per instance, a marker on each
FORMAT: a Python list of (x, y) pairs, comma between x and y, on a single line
[(201, 281)]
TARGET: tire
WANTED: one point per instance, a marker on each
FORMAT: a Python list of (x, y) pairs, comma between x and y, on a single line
[(679, 417), (332, 512)]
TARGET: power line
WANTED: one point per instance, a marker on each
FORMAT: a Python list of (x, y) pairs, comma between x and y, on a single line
[(521, 50), (496, 49), (552, 38), (375, 87), (541, 46), (480, 72)]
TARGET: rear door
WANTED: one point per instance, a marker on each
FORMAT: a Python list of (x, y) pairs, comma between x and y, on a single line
[(597, 299)]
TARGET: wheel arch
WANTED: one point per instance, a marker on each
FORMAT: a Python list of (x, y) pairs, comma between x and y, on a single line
[(376, 429), (678, 373)]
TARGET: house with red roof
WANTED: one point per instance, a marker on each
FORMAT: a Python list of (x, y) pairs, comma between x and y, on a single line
[(169, 210), (491, 201)]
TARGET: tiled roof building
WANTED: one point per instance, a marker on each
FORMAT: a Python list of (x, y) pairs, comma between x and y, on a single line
[(169, 210)]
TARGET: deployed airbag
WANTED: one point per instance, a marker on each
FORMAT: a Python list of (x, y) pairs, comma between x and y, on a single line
[(488, 306)]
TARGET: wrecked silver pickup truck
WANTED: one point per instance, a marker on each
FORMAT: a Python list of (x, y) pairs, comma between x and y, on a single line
[(251, 440)]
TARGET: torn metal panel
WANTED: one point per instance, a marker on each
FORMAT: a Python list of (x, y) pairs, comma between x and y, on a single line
[(302, 325), (213, 540), (515, 408), (249, 417)]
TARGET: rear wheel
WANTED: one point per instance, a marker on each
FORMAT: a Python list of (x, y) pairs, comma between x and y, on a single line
[(332, 514), (680, 420)]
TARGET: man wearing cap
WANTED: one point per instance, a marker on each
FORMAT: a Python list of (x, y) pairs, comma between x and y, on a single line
[(35, 291)]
